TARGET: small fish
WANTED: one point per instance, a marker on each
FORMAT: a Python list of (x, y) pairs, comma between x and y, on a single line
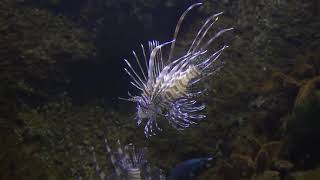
[(188, 170), (166, 83)]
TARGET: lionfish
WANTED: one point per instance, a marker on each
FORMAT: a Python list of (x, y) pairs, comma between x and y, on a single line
[(166, 83), (128, 162)]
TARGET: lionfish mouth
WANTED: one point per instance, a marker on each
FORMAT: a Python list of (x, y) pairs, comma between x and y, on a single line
[(166, 84)]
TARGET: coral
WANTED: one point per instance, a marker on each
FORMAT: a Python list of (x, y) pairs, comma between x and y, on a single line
[(304, 71), (65, 132), (240, 166), (268, 175), (252, 159), (17, 160), (36, 45), (313, 174), (309, 91), (302, 126), (285, 90), (279, 81)]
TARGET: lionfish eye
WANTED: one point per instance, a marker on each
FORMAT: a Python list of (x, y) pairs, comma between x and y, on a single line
[(141, 106)]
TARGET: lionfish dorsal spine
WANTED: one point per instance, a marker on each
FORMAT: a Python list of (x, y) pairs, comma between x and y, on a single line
[(176, 31), (154, 70)]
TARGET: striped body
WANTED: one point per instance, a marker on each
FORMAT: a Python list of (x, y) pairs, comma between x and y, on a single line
[(134, 174), (166, 83), (129, 163), (176, 86)]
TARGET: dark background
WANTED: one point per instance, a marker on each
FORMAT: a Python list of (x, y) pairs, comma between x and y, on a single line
[(118, 31)]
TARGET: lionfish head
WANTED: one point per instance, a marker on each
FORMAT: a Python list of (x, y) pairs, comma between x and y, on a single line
[(146, 110)]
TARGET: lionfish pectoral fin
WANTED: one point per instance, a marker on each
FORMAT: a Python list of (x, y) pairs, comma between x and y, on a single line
[(151, 127), (184, 112), (138, 119), (210, 60)]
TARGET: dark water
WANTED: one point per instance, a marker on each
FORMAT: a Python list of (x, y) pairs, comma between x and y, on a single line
[(62, 71)]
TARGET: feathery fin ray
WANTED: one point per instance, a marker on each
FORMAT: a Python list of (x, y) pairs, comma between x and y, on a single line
[(166, 84)]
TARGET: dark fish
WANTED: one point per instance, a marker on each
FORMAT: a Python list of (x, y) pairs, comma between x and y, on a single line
[(188, 170)]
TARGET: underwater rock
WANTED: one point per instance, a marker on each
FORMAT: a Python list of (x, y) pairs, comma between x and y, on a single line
[(238, 167), (251, 158), (36, 48), (302, 126), (268, 175), (304, 71), (312, 57), (308, 91), (283, 167), (17, 161), (252, 146), (305, 175), (262, 161), (279, 81)]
